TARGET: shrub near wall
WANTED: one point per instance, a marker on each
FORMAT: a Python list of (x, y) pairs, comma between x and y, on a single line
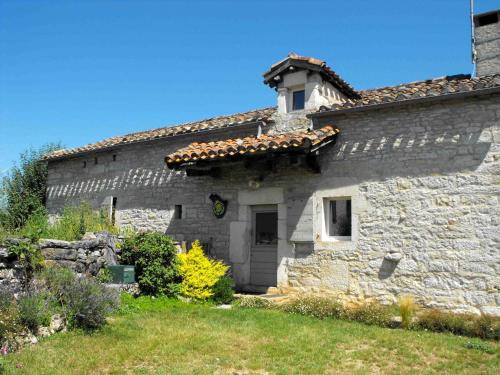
[(154, 256), (200, 274)]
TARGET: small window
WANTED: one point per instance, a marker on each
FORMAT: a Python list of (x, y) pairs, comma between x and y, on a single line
[(84, 164), (338, 218), (96, 161), (178, 211), (114, 157), (298, 100), (113, 211)]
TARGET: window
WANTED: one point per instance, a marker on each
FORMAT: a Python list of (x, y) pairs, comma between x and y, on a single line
[(114, 157), (84, 164), (178, 211), (266, 228), (298, 100), (95, 160), (338, 218), (113, 211)]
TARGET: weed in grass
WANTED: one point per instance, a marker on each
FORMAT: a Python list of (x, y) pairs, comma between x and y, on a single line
[(251, 302), (479, 345), (407, 307), (319, 307), (370, 313)]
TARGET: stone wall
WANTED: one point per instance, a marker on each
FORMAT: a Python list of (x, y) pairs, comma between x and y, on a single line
[(424, 186), (10, 271), (87, 256), (487, 45)]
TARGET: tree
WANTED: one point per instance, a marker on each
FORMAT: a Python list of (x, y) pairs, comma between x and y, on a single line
[(23, 189)]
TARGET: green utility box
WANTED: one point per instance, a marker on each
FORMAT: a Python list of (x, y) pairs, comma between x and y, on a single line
[(122, 274)]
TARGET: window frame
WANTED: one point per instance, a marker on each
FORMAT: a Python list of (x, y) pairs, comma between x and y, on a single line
[(326, 214), (293, 99)]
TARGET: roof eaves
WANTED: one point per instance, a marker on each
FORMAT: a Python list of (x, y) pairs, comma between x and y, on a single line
[(71, 154)]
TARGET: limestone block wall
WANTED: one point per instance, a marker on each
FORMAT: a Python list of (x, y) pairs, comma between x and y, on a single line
[(10, 271), (87, 256), (487, 45), (424, 183)]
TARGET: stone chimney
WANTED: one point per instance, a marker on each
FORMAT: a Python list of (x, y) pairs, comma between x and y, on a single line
[(487, 43)]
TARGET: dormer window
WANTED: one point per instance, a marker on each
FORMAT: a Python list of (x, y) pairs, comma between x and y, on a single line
[(299, 98), (306, 83)]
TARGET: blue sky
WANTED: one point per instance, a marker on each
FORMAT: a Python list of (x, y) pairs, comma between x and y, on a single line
[(80, 71)]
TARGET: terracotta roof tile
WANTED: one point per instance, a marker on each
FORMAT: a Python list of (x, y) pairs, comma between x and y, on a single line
[(250, 145), (192, 127), (421, 89), (309, 62)]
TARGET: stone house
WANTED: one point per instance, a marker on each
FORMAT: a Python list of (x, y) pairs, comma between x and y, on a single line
[(373, 193)]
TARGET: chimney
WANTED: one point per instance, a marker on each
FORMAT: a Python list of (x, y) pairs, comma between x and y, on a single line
[(487, 43)]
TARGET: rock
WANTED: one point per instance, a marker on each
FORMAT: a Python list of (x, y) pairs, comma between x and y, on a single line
[(6, 273), (85, 244), (393, 257), (89, 236), (4, 253), (44, 243), (43, 332), (109, 257), (59, 254), (491, 310), (56, 323)]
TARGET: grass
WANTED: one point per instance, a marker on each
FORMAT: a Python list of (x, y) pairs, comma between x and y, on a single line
[(160, 336)]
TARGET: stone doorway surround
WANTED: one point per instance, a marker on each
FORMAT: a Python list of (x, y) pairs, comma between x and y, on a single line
[(240, 235)]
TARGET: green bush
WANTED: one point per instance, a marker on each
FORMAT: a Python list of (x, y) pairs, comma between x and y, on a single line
[(486, 327), (29, 256), (371, 313), (56, 280), (479, 345), (251, 302), (442, 321), (37, 226), (316, 306), (223, 290), (154, 257), (35, 310), (8, 316), (88, 303), (76, 220), (84, 302), (23, 190)]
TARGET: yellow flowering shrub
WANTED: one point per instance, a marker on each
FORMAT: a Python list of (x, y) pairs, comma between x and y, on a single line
[(199, 273)]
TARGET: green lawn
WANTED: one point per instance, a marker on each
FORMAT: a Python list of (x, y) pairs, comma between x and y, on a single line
[(171, 337)]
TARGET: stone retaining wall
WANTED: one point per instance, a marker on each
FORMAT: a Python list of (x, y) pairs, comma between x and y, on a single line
[(86, 256)]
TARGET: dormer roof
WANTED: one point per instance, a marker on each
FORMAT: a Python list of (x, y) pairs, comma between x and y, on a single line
[(294, 62)]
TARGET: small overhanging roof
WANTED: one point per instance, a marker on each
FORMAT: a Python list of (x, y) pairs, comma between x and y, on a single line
[(230, 149), (294, 61)]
